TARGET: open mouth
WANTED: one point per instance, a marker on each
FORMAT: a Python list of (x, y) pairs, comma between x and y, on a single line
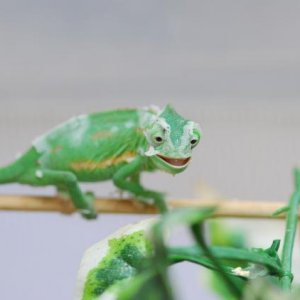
[(177, 162)]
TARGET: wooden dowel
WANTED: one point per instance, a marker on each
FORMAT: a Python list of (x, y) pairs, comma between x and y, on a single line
[(224, 208)]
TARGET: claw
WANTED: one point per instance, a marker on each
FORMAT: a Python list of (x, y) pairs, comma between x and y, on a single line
[(89, 214)]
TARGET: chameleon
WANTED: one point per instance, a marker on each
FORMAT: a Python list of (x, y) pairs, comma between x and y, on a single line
[(115, 145)]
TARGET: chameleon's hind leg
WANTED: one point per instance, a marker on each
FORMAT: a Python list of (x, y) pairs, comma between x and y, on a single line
[(66, 181), (64, 194)]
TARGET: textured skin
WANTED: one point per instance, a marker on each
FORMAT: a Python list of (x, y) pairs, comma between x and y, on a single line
[(108, 266), (115, 145)]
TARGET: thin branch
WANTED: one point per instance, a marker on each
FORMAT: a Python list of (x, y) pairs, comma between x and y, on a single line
[(290, 233), (225, 208)]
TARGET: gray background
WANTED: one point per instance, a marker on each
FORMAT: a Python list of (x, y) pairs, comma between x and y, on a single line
[(232, 66)]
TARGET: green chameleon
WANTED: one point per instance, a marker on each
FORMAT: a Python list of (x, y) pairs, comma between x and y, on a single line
[(116, 145)]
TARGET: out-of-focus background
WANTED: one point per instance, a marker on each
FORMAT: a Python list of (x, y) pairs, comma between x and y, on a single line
[(233, 66)]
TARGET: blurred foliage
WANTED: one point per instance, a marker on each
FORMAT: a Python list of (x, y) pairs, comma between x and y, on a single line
[(238, 272), (222, 235)]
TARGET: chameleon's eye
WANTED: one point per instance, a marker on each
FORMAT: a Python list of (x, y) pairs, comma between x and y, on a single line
[(194, 142), (158, 139)]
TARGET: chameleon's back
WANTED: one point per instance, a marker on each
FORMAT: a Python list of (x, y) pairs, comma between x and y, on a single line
[(93, 142)]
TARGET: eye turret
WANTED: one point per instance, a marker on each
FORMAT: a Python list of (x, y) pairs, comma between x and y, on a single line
[(158, 139), (156, 134), (195, 137), (194, 141)]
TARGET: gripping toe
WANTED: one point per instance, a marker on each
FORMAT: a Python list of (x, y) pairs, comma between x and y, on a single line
[(89, 214)]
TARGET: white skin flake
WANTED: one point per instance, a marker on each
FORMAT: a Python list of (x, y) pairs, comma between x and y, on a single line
[(39, 174), (41, 144), (151, 151), (146, 134), (162, 122), (81, 125), (129, 124), (187, 133), (146, 118), (114, 129), (76, 128), (153, 109), (130, 159), (241, 272)]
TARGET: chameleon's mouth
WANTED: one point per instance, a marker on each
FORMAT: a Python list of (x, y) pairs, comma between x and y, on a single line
[(177, 162)]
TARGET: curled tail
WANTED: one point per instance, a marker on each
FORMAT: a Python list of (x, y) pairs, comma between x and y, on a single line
[(13, 171)]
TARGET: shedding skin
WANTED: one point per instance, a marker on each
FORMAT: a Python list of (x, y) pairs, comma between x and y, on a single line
[(116, 145)]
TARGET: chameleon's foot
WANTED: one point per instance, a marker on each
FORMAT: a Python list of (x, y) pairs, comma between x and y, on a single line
[(89, 212), (158, 199)]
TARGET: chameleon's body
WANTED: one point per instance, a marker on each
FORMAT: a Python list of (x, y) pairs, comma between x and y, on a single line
[(115, 145)]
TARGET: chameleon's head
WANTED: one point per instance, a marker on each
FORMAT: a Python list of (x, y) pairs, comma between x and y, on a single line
[(171, 140)]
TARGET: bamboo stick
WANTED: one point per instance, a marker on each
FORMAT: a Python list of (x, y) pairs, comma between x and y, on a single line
[(224, 208)]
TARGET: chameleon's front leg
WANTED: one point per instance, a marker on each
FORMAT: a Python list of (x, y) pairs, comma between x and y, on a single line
[(122, 180)]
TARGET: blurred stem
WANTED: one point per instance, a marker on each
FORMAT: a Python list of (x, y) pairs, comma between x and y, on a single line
[(290, 232), (232, 286), (195, 255), (160, 263)]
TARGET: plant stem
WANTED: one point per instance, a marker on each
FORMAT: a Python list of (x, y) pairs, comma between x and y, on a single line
[(194, 255), (289, 237), (229, 281)]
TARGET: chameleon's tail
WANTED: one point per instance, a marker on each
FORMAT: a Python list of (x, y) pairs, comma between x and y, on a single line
[(13, 171), (10, 173)]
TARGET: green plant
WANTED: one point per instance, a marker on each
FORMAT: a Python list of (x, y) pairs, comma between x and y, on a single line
[(238, 272), (247, 273)]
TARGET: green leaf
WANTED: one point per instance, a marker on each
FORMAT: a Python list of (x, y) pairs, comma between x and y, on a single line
[(113, 261), (146, 286)]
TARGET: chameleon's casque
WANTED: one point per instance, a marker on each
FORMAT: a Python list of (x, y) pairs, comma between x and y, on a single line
[(116, 145)]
